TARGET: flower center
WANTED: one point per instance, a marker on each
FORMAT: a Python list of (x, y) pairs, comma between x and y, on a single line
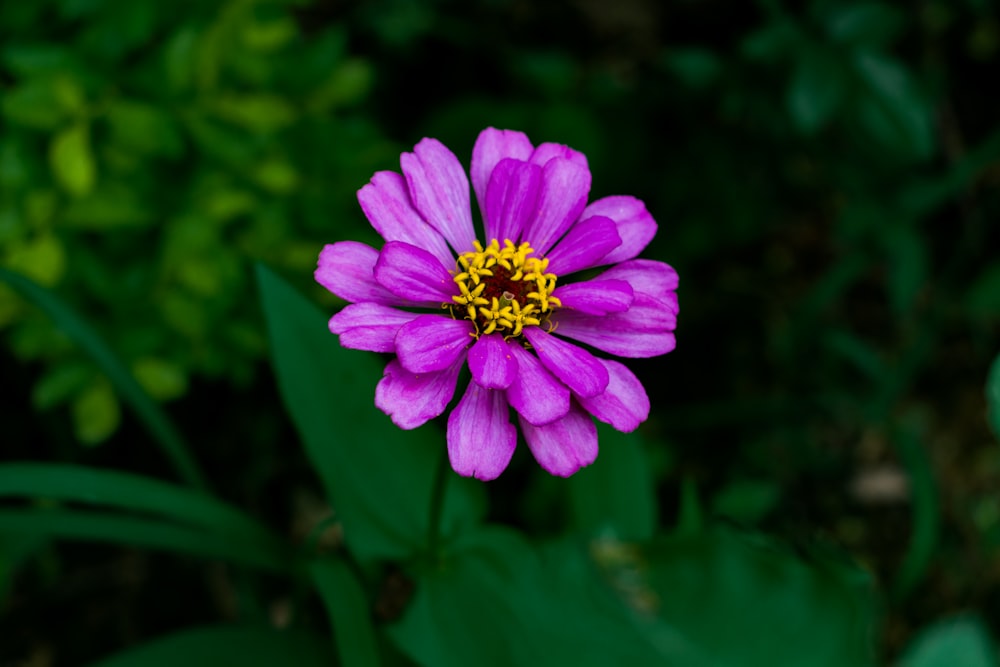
[(503, 289)]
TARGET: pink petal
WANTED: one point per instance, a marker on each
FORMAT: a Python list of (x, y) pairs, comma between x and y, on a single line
[(432, 343), (565, 186), (347, 269), (481, 438), (412, 399), (575, 367), (491, 362), (491, 147), (596, 297), (511, 199), (439, 190), (565, 445), (584, 246), (548, 150), (648, 277), (535, 393), (386, 203), (369, 326), (644, 330), (636, 226), (412, 273), (624, 404)]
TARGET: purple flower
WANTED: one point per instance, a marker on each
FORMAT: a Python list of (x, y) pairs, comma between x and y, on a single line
[(439, 299)]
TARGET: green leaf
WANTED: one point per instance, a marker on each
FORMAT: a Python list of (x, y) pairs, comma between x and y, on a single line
[(95, 412), (43, 103), (92, 526), (616, 492), (125, 491), (144, 128), (151, 415), (908, 441), (906, 250), (745, 602), (163, 380), (697, 67), (72, 160), (350, 613), (871, 25), (816, 90), (892, 108), (257, 113), (747, 501), (961, 641), (993, 396), (244, 645), (378, 477)]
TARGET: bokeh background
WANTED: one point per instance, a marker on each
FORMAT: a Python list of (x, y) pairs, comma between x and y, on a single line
[(825, 174)]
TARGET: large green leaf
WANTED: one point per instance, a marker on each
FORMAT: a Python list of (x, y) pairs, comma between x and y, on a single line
[(243, 645), (151, 415), (993, 396), (616, 492), (141, 531), (129, 492), (816, 89), (349, 611), (747, 603), (377, 476), (962, 641)]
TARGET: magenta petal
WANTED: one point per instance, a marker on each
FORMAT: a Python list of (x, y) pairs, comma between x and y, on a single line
[(386, 203), (347, 269), (491, 147), (565, 445), (547, 151), (439, 190), (596, 297), (412, 273), (432, 343), (369, 326), (624, 404), (535, 393), (578, 369), (511, 199), (644, 330), (565, 186), (648, 277), (636, 226), (584, 246), (481, 438), (412, 399), (491, 362)]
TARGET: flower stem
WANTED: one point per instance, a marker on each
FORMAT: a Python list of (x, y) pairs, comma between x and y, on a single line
[(437, 504)]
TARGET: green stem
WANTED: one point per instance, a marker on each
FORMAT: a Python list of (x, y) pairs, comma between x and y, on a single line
[(437, 504)]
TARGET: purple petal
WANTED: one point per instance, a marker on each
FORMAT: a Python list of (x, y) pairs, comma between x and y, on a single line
[(636, 226), (491, 147), (439, 190), (535, 393), (369, 326), (491, 362), (649, 277), (624, 404), (412, 273), (481, 438), (547, 151), (412, 399), (596, 297), (511, 199), (644, 330), (432, 343), (586, 244), (578, 369), (565, 186), (347, 269), (565, 445), (386, 203)]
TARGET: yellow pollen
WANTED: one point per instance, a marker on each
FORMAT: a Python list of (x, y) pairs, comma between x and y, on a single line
[(503, 288)]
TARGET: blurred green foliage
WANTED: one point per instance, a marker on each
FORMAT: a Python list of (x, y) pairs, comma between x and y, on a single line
[(149, 152)]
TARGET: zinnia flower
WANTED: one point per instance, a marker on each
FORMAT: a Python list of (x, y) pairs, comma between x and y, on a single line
[(439, 297)]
